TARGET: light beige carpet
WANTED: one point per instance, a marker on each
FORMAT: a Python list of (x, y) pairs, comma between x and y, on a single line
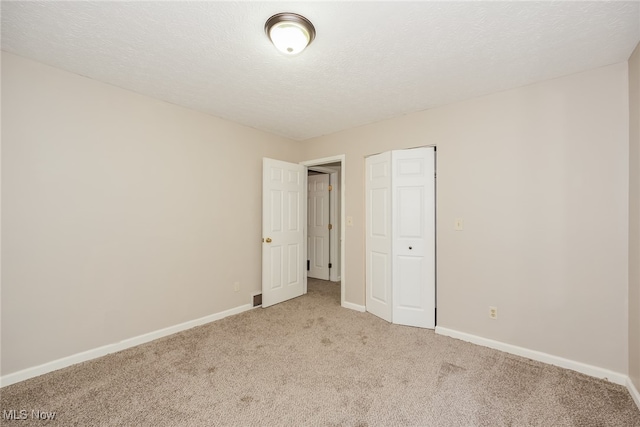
[(310, 362)]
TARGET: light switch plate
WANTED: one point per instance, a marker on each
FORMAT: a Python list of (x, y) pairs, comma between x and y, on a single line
[(458, 224)]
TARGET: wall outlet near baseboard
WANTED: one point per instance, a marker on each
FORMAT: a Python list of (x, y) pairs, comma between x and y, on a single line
[(236, 286), (493, 313)]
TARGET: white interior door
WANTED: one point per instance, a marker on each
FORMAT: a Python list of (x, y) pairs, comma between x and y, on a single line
[(283, 228), (318, 226), (378, 237), (413, 200)]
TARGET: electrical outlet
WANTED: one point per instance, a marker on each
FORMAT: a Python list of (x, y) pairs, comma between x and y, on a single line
[(493, 312), (236, 286)]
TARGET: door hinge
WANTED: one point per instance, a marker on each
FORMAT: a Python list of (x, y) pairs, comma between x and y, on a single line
[(330, 226), (330, 187), (329, 265), (308, 265)]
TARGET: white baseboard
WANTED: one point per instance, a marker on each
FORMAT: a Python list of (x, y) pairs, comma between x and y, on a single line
[(64, 362), (356, 307), (594, 371), (633, 391)]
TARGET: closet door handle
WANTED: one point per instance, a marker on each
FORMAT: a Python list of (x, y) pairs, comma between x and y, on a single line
[(410, 247)]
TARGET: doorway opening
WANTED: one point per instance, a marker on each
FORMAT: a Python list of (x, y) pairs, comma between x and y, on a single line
[(326, 246), (323, 222)]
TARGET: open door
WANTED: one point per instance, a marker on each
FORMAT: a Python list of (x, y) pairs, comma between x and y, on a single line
[(283, 231), (319, 226)]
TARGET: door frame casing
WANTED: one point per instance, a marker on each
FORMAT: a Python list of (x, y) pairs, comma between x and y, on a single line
[(323, 161)]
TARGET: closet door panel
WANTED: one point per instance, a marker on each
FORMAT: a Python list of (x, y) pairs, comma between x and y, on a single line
[(378, 235), (413, 265)]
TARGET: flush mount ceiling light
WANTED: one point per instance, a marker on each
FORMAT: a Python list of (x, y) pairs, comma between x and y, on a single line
[(290, 33)]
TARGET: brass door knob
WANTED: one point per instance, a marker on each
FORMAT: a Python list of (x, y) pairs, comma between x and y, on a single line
[(268, 240)]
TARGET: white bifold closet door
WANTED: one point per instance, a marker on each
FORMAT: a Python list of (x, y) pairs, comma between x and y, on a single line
[(400, 236), (378, 239)]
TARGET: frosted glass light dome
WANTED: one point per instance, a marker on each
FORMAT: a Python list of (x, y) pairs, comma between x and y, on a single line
[(290, 33)]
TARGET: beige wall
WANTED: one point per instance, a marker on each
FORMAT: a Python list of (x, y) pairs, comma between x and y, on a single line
[(540, 176), (634, 217), (122, 214)]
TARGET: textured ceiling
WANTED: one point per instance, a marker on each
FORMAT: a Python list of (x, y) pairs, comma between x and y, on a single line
[(370, 60)]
